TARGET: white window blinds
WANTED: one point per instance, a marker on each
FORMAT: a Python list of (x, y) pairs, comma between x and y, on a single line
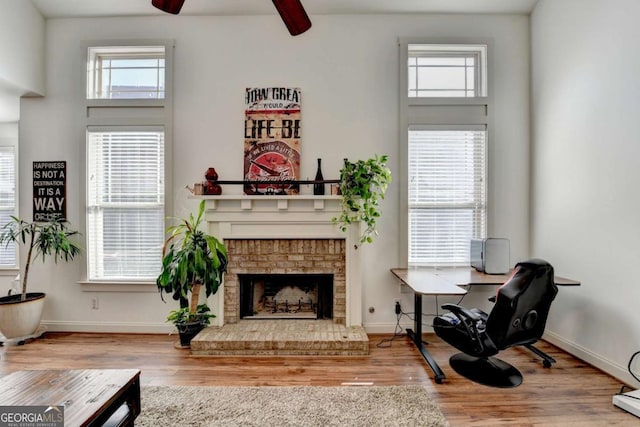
[(447, 193), (125, 206), (8, 254)]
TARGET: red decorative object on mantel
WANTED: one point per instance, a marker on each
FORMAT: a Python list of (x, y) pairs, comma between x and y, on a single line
[(211, 174), (211, 186)]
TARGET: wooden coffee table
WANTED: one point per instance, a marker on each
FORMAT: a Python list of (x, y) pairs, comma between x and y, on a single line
[(91, 397)]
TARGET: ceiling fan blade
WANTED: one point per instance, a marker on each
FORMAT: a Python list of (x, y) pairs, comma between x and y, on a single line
[(169, 6), (294, 16), (291, 11)]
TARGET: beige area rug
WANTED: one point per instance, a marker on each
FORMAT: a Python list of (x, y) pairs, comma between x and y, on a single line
[(288, 406)]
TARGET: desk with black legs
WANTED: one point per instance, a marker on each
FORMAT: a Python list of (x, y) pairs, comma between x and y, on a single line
[(446, 281)]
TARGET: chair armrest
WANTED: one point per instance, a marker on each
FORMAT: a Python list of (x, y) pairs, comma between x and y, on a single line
[(472, 322), (457, 309)]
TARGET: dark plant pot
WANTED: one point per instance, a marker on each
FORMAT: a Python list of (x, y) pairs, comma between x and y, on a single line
[(187, 331)]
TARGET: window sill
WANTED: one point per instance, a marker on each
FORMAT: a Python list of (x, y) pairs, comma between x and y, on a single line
[(9, 272), (138, 287)]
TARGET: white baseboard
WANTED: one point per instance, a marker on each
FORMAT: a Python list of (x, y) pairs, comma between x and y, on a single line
[(108, 327), (602, 363), (389, 328)]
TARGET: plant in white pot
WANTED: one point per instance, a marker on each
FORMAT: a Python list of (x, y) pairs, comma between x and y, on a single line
[(191, 260), (20, 314)]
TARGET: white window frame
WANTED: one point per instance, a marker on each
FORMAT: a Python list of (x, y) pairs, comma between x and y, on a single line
[(96, 54), (454, 112), (115, 114), (476, 51)]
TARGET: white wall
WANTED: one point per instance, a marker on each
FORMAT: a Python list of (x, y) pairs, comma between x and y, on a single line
[(347, 67), (21, 73), (585, 198), (22, 58)]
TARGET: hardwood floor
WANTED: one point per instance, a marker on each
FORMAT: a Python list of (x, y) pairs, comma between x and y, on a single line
[(571, 393)]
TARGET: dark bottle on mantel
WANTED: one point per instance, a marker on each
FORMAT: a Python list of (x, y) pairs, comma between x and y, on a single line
[(318, 188)]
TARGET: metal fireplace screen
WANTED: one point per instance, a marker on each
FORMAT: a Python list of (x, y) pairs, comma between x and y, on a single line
[(286, 296)]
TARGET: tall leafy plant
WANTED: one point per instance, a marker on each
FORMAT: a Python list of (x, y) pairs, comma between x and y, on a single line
[(43, 239), (362, 185), (191, 260)]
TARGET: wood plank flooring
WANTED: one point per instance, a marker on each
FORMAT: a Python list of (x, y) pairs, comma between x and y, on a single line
[(571, 393)]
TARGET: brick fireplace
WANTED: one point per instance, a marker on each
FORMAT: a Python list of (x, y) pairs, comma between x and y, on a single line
[(295, 257), (285, 235)]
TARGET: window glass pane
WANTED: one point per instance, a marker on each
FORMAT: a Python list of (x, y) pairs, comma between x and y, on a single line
[(435, 230), (443, 93), (135, 63), (125, 208), (129, 72), (129, 247), (433, 61), (142, 78), (8, 253), (447, 194), (471, 82), (452, 69), (412, 79), (441, 78)]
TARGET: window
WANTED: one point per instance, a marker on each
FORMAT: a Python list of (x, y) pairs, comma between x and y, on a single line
[(125, 208), (128, 128), (447, 71), (447, 196), (8, 253), (445, 122), (126, 72)]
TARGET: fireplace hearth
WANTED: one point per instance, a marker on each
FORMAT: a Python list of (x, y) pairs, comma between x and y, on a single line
[(286, 296)]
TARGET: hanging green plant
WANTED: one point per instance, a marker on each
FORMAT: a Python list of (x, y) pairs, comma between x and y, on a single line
[(363, 185)]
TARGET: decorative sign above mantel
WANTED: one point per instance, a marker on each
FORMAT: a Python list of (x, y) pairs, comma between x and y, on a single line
[(272, 140), (49, 191)]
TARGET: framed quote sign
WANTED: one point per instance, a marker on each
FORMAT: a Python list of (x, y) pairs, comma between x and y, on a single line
[(49, 191), (272, 140)]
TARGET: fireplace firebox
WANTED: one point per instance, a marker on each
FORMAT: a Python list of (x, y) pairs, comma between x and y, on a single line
[(286, 296)]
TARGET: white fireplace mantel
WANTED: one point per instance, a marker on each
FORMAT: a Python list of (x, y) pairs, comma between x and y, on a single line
[(286, 217)]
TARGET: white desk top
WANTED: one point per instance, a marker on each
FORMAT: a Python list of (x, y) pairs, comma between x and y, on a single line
[(426, 282), (447, 280)]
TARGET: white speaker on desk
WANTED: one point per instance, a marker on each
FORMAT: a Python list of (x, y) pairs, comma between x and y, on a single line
[(490, 255)]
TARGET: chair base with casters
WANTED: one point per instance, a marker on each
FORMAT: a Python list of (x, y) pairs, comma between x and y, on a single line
[(489, 371), (546, 359)]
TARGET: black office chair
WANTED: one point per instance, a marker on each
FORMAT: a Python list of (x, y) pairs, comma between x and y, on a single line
[(517, 318)]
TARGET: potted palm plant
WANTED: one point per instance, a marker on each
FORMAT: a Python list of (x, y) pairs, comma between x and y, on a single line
[(20, 314), (363, 184), (191, 260)]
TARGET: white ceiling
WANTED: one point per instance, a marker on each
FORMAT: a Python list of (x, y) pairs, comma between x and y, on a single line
[(89, 8)]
